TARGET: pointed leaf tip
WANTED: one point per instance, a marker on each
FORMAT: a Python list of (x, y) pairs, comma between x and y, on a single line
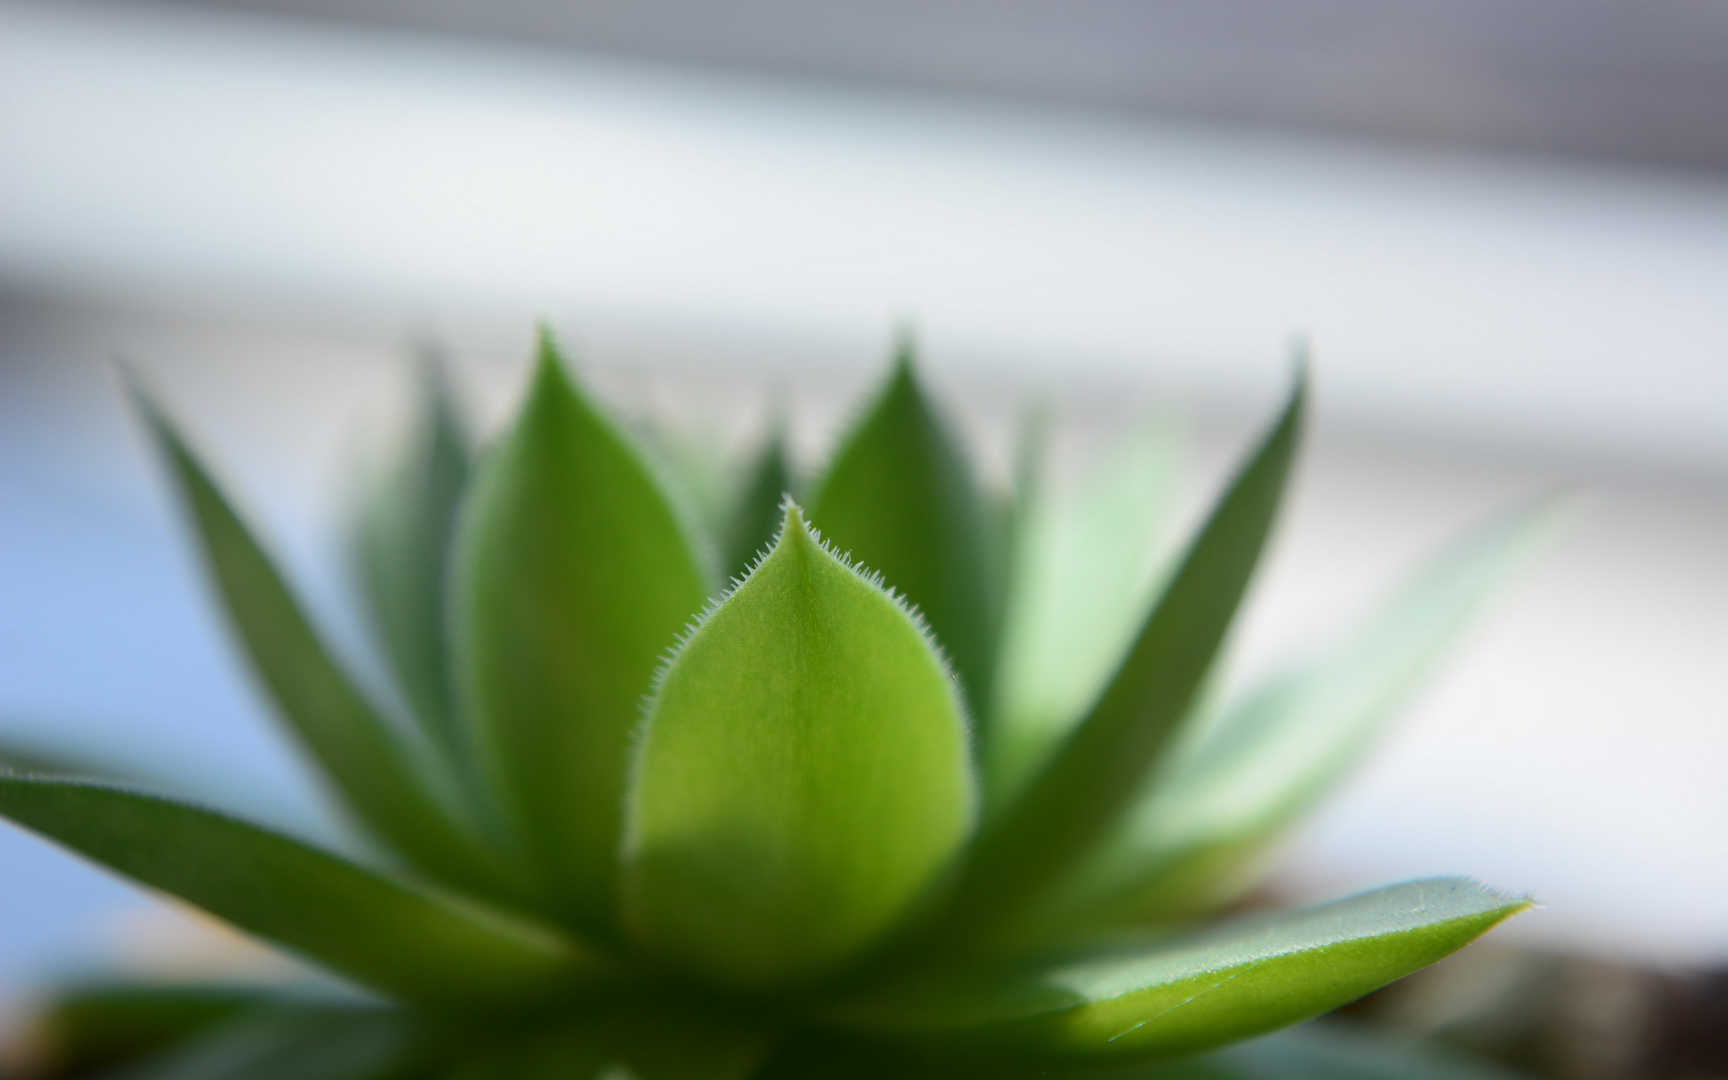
[(801, 778), (573, 573), (900, 496), (403, 528), (1192, 839), (1183, 995), (1079, 794), (364, 758)]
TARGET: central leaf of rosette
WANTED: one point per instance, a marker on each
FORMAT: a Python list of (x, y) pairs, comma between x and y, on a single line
[(803, 778)]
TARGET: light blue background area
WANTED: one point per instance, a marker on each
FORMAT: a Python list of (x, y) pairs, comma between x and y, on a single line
[(109, 646)]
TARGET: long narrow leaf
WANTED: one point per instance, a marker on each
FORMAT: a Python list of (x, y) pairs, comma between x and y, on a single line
[(574, 574), (364, 760), (289, 1044), (900, 497), (1315, 1053), (403, 532), (1083, 575), (1079, 795), (86, 1026), (1310, 1052), (1192, 840), (380, 932), (1179, 997), (617, 1044)]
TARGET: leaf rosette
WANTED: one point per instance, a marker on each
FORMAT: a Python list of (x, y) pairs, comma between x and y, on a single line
[(841, 817)]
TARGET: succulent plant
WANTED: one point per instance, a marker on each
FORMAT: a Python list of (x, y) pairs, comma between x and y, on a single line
[(826, 821)]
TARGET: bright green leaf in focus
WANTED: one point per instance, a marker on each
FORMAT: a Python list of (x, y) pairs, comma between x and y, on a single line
[(574, 573), (1270, 757), (380, 932), (405, 526), (803, 774), (1181, 996), (1096, 773), (397, 796), (900, 498)]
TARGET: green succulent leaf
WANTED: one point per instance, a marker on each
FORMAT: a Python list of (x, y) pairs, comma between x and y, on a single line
[(1314, 1053), (1187, 995), (1079, 794), (366, 761), (84, 1027), (755, 510), (402, 537), (619, 1044), (803, 775), (573, 574), (1272, 756), (694, 469), (380, 932), (1310, 1052), (1082, 577), (330, 1044), (900, 498), (21, 752)]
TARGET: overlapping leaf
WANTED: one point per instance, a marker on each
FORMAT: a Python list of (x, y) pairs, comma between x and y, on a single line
[(900, 498), (403, 533), (646, 1043), (289, 1044), (1311, 1052), (574, 573), (1101, 767), (802, 777), (1272, 755), (1179, 997), (371, 769), (1082, 577), (100, 1023), (381, 932)]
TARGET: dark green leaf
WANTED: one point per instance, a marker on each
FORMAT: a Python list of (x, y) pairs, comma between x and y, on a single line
[(620, 1044), (900, 498), (1178, 997), (1315, 1053), (574, 575), (364, 759), (802, 777), (1310, 1052), (1192, 839), (755, 509), (90, 754), (291, 1044), (381, 932), (83, 1027), (402, 539), (1072, 802)]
